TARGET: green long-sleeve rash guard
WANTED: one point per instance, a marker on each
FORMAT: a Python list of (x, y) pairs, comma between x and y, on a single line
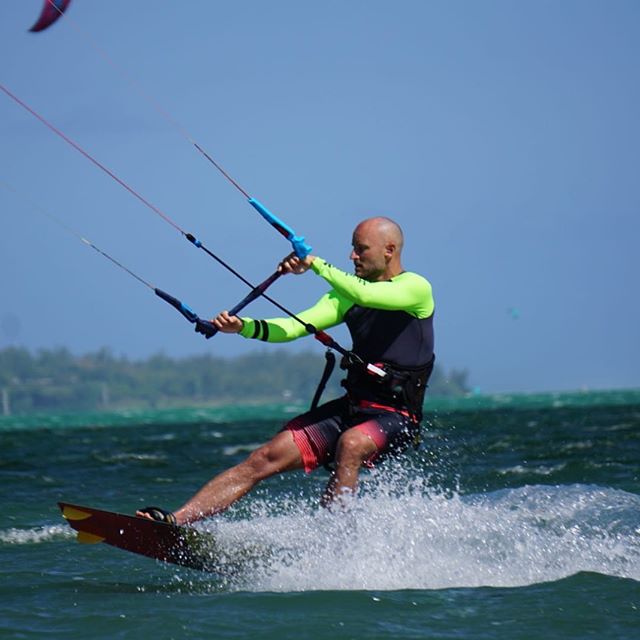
[(408, 292)]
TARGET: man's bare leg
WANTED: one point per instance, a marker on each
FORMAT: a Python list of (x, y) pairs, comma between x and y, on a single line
[(354, 447), (278, 455)]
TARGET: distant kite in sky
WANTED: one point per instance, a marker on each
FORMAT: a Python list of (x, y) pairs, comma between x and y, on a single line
[(51, 11)]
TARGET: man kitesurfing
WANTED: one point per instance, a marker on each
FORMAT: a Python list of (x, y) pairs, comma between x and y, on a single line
[(389, 314)]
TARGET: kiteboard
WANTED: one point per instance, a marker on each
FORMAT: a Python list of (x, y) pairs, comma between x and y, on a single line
[(180, 545)]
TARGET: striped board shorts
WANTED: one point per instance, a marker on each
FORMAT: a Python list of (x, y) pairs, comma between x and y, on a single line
[(316, 432)]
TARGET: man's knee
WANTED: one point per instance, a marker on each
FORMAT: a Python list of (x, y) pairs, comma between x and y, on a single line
[(354, 446), (279, 454)]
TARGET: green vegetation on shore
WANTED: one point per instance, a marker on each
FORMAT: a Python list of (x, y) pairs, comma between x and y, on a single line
[(57, 380)]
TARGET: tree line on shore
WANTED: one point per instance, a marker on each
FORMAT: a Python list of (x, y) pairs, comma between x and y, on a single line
[(57, 380)]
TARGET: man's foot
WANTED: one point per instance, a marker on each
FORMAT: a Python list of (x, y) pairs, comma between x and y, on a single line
[(157, 514)]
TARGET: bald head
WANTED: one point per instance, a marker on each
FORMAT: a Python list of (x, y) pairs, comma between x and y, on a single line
[(385, 228), (377, 246)]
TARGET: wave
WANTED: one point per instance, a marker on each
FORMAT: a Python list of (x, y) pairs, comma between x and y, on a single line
[(402, 533)]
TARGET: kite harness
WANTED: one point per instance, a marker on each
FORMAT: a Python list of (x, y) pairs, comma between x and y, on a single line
[(400, 388)]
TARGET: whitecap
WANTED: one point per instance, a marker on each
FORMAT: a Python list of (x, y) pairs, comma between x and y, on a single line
[(36, 535), (240, 448)]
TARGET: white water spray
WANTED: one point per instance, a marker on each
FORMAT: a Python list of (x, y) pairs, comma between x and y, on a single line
[(402, 535)]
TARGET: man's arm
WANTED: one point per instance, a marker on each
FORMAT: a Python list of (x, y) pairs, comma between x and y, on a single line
[(327, 312), (408, 291)]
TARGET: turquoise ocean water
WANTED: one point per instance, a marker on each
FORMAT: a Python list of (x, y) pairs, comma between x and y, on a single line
[(519, 517)]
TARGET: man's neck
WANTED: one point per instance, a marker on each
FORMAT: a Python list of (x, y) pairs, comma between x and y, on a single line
[(389, 272)]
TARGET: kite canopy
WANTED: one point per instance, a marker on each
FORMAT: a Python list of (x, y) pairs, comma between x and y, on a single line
[(51, 11)]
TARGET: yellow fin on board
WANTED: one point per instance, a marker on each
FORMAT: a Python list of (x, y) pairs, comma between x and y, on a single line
[(89, 538), (74, 514)]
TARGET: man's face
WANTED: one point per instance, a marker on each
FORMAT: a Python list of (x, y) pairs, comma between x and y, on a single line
[(368, 253)]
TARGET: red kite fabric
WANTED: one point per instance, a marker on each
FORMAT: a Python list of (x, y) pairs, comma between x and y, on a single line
[(51, 11)]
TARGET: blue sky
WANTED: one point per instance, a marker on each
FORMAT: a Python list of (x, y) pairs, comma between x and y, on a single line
[(503, 136)]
